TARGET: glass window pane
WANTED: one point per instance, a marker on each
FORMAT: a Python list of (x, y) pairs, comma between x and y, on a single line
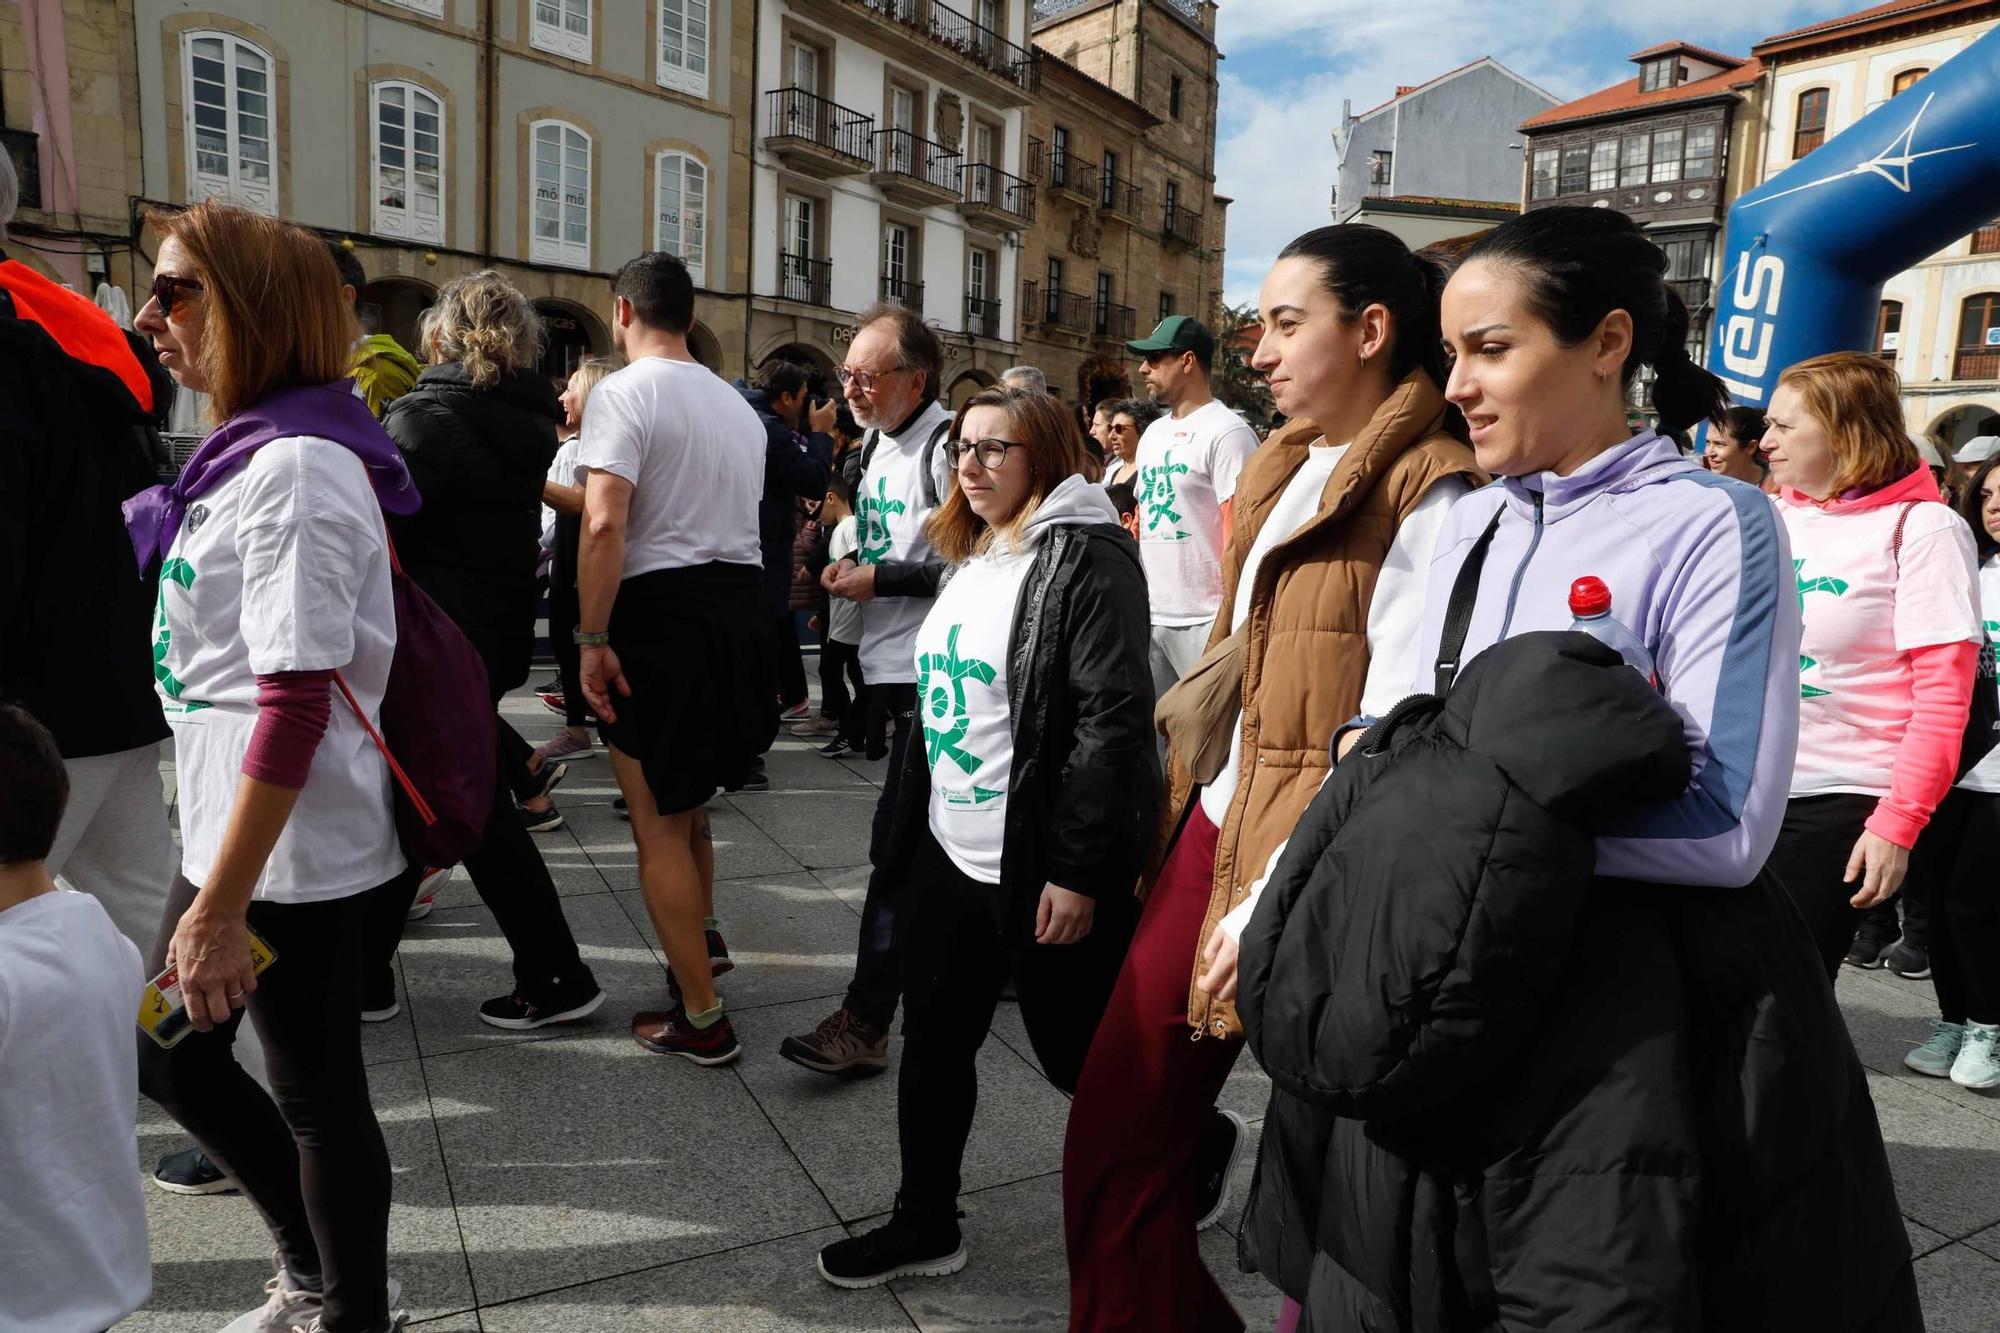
[(1604, 164)]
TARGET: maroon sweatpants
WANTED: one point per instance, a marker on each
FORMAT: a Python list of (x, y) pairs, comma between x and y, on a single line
[(1147, 1092)]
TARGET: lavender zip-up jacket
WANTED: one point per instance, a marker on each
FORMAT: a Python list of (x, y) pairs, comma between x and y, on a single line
[(1699, 568)]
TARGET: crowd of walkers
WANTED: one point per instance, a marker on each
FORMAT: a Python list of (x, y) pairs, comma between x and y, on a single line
[(1194, 740)]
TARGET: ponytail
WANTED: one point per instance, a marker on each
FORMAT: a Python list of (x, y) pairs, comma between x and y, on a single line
[(1580, 264)]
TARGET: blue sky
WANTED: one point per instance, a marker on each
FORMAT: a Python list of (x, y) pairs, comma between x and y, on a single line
[(1288, 64)]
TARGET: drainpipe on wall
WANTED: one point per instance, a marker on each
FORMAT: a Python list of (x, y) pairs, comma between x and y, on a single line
[(750, 158), (489, 126)]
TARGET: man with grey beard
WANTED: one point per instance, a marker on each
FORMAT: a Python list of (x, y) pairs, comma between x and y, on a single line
[(891, 384)]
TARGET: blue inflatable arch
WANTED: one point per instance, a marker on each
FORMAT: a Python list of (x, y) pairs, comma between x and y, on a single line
[(1809, 250)]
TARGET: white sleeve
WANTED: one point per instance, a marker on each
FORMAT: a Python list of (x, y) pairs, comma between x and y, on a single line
[(1237, 917), (1396, 612), (1231, 450), (307, 543), (613, 438)]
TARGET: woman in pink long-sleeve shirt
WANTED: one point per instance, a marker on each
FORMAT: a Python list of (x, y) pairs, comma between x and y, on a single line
[(1887, 587)]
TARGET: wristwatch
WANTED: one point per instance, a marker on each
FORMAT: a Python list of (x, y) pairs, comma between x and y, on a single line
[(582, 640)]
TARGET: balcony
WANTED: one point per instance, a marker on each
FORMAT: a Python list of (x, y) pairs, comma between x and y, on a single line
[(916, 171), (1073, 311), (1033, 155), (982, 317), (1976, 363), (903, 291), (1181, 226), (804, 279), (1119, 198), (937, 38), (1114, 322), (995, 200), (816, 137), (1694, 291), (24, 146), (1073, 177)]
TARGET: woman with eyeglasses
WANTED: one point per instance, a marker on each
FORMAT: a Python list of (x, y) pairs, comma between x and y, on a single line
[(1127, 421), (1024, 814), (274, 575)]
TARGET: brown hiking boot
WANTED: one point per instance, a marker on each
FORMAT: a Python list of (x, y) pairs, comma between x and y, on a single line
[(841, 1044)]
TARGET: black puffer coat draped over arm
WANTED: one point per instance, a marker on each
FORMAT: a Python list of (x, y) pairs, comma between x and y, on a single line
[(1504, 1097)]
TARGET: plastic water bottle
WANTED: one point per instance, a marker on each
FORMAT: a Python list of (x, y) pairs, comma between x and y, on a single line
[(1590, 603)]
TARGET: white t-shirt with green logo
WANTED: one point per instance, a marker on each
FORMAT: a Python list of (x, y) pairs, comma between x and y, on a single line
[(968, 732), (890, 511), (1187, 468), (282, 567), (1985, 775)]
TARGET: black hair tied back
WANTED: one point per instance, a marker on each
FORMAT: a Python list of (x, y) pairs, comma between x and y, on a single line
[(1362, 266), (1580, 264)]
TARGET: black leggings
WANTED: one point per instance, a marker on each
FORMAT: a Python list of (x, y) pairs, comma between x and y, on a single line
[(957, 958), (840, 664), (312, 1161), (1960, 850), (563, 615), (1810, 858)]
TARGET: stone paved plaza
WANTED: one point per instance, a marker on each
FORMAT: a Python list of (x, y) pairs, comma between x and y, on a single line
[(568, 1180)]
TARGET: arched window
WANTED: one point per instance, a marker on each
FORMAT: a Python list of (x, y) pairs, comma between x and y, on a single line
[(1889, 331), (226, 85), (1978, 338), (406, 156), (1904, 81), (684, 45), (1809, 127), (560, 230), (680, 214)]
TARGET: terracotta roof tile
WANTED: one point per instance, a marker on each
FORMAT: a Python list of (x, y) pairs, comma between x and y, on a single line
[(1622, 97), (1859, 16), (1703, 53)]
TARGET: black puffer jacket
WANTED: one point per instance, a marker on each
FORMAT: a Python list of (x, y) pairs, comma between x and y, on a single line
[(1085, 785), (479, 458), (1509, 1095), (795, 468)]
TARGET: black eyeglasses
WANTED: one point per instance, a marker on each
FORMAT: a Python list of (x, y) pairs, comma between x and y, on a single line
[(167, 288), (991, 453)]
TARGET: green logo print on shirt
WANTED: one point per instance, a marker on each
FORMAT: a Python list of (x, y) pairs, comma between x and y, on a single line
[(1838, 587), (871, 522), (941, 681), (175, 570), (1161, 498)]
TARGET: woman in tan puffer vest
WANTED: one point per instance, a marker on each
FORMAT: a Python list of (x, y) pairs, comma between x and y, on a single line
[(1334, 520)]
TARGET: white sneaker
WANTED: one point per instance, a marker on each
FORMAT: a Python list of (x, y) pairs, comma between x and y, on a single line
[(398, 1321), (1978, 1062), (285, 1308)]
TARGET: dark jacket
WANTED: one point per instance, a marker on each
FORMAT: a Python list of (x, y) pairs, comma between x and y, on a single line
[(1085, 779), (479, 458), (1510, 1094), (75, 614), (795, 468)]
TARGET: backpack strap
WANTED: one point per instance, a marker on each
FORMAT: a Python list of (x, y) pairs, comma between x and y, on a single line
[(1458, 612), (928, 463), (1896, 542)]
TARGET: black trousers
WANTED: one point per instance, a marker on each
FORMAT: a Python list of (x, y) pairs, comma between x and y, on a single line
[(1810, 858), (312, 1161), (840, 665), (788, 661), (564, 612), (511, 879), (1960, 851), (957, 956), (878, 969)]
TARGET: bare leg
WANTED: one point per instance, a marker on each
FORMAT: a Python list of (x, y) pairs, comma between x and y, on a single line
[(670, 874)]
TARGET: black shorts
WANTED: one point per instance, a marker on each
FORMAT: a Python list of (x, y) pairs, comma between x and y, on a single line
[(695, 647)]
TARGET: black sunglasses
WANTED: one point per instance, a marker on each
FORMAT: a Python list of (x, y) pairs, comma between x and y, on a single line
[(167, 288)]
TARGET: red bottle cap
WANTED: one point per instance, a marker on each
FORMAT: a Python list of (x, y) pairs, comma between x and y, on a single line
[(1589, 597)]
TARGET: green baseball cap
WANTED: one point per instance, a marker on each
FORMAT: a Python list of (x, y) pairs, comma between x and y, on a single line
[(1176, 333)]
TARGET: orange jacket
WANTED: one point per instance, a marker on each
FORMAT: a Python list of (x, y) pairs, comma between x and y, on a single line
[(77, 325)]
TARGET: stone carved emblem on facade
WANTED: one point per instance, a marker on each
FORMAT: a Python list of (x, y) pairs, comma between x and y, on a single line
[(950, 118), (1083, 236)]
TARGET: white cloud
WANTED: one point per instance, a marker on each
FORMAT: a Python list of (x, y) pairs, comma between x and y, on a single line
[(1274, 153)]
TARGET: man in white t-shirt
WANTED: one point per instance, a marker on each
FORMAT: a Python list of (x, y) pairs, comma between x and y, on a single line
[(73, 1232), (675, 652), (1188, 462), (891, 382)]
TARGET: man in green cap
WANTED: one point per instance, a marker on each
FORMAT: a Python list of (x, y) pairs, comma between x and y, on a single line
[(1188, 462)]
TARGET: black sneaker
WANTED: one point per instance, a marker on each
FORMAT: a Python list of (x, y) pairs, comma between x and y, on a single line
[(836, 748), (1908, 960), (668, 1032), (518, 1013), (380, 1008), (1866, 952), (718, 955), (900, 1247), (758, 779), (622, 810), (1215, 1162), (549, 776), (540, 821), (192, 1171)]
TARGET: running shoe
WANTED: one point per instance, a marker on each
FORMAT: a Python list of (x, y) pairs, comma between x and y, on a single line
[(837, 748), (554, 701), (1221, 1148), (192, 1171), (718, 955), (1939, 1050), (900, 1247), (564, 746), (798, 712), (1911, 961), (841, 1044), (818, 726), (1867, 952), (668, 1032), (1978, 1062), (540, 821), (518, 1013)]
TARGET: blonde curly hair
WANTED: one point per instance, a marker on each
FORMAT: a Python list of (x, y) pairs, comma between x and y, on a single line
[(484, 323)]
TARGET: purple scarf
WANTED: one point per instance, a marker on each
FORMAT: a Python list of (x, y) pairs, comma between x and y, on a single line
[(330, 411)]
